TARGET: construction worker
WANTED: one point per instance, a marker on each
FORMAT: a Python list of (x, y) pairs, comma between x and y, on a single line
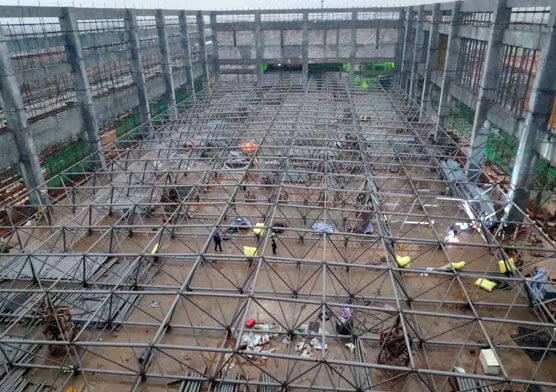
[(274, 246), (451, 234), (217, 240)]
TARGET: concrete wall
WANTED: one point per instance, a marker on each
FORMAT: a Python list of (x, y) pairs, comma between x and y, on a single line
[(329, 37), (528, 36), (106, 44), (234, 45)]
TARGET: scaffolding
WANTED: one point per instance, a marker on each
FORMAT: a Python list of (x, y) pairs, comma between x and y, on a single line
[(343, 225)]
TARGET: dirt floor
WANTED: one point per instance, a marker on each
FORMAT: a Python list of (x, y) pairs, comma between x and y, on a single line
[(188, 303)]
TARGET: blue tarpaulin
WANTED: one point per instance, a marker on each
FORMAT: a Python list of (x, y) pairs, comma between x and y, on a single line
[(321, 227)]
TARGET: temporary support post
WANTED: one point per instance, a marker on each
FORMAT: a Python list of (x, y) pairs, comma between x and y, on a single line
[(536, 121), (166, 63), (406, 53), (305, 45), (492, 68), (203, 49), (215, 55), (353, 47), (16, 119), (399, 45), (432, 53), (68, 24), (258, 45), (138, 75), (450, 68), (417, 57), (187, 55)]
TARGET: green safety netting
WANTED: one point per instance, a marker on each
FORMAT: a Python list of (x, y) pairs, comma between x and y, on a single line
[(127, 128), (325, 67), (198, 85), (434, 98), (158, 107), (180, 94), (501, 149), (264, 67), (365, 83), (461, 118), (62, 159), (379, 67), (544, 183)]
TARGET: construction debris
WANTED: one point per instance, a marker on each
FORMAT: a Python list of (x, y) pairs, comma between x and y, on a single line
[(393, 348), (57, 326)]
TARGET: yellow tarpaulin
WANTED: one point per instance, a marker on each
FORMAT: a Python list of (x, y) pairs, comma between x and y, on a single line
[(485, 284), (155, 248), (249, 251), (457, 265), (505, 267), (403, 261), (259, 229)]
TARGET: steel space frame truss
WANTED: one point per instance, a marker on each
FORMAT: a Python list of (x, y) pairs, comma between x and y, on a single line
[(169, 311)]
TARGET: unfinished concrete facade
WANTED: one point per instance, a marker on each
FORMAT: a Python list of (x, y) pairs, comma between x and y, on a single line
[(363, 246)]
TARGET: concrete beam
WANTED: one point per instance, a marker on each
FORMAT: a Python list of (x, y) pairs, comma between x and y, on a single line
[(259, 45), (313, 25), (297, 60), (74, 50), (166, 63), (432, 53), (203, 49), (417, 58), (450, 67), (138, 74), (407, 44), (492, 68), (189, 88), (288, 11), (16, 119), (305, 45), (536, 120), (215, 54)]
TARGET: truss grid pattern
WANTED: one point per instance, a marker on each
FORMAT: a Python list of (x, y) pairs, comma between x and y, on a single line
[(347, 182)]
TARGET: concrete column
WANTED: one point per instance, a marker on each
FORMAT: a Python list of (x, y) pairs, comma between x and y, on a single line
[(492, 68), (202, 49), (258, 45), (536, 121), (432, 52), (189, 79), (215, 55), (138, 75), (417, 58), (407, 44), (282, 51), (450, 68), (353, 48), (16, 119), (400, 45), (305, 45), (166, 63), (68, 24)]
